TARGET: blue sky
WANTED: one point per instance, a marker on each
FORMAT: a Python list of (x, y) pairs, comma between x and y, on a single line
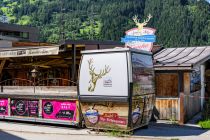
[(208, 1)]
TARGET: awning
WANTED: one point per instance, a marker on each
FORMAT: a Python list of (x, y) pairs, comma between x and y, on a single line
[(29, 51)]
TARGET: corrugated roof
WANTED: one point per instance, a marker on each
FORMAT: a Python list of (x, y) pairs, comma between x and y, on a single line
[(181, 58)]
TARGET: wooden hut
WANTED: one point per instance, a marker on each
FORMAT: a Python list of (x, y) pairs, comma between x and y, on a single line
[(180, 82)]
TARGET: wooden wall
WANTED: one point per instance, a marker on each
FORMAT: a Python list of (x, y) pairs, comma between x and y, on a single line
[(167, 109), (170, 104), (166, 84), (194, 104)]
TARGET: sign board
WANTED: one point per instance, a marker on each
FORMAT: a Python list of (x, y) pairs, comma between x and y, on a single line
[(3, 106), (60, 110), (144, 38), (101, 115), (102, 75), (140, 39), (24, 107), (29, 52)]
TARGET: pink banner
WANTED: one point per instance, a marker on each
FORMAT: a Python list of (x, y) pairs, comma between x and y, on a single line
[(3, 106), (24, 107), (60, 110)]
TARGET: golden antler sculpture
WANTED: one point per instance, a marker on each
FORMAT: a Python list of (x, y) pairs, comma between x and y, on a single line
[(144, 23)]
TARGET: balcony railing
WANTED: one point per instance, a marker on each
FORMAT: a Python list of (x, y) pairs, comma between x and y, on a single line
[(42, 82)]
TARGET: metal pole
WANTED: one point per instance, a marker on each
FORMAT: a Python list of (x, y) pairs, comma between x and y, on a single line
[(34, 84), (202, 85)]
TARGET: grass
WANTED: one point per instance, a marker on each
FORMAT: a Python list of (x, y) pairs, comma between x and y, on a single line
[(118, 133), (205, 124)]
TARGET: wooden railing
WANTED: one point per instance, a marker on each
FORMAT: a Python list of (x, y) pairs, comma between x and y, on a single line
[(42, 82), (55, 82)]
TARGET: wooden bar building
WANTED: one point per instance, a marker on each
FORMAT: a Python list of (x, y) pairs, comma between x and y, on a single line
[(44, 76), (181, 82)]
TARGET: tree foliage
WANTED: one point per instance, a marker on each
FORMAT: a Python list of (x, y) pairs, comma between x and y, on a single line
[(178, 22)]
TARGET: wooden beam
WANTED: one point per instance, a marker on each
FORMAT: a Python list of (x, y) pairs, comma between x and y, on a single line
[(29, 44), (73, 65)]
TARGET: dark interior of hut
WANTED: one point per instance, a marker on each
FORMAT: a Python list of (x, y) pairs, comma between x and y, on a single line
[(57, 70), (207, 79)]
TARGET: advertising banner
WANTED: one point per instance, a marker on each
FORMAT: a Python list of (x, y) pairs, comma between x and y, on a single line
[(142, 107), (60, 110), (105, 114), (3, 106), (23, 107), (140, 39), (143, 38)]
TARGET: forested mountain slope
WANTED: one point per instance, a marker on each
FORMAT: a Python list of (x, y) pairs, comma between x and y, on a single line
[(178, 22)]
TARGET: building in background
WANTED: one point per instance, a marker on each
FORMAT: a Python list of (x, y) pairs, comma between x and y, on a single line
[(13, 32)]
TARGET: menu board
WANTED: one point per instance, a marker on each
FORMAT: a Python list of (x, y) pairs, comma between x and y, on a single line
[(23, 107), (3, 106), (60, 110)]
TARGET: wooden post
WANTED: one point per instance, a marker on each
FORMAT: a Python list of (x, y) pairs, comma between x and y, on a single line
[(40, 108), (184, 105), (182, 109), (73, 66), (9, 107)]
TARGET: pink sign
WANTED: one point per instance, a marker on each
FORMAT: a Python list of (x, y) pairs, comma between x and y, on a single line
[(60, 110), (3, 106), (144, 31), (112, 118), (146, 46)]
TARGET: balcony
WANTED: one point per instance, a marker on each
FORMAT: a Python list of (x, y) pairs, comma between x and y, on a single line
[(45, 88)]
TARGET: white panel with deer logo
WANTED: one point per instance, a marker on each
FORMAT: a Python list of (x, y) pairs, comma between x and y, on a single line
[(104, 74)]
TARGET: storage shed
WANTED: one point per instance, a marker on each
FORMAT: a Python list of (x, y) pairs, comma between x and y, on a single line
[(181, 82)]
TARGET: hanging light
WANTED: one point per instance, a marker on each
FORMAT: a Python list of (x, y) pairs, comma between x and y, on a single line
[(34, 72)]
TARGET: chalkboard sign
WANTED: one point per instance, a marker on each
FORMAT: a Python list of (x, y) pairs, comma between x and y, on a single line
[(22, 107), (65, 114)]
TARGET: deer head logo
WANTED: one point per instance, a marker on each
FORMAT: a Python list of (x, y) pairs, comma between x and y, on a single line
[(144, 23), (94, 76)]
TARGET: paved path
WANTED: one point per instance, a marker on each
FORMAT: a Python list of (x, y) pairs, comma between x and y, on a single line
[(165, 130), (25, 131), (160, 130)]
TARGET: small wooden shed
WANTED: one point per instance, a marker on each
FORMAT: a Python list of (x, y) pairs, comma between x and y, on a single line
[(181, 82)]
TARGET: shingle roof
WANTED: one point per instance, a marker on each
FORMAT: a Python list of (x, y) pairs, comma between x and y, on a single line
[(181, 58)]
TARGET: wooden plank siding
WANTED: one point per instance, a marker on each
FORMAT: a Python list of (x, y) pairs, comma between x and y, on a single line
[(166, 84), (193, 106), (167, 101), (168, 109)]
